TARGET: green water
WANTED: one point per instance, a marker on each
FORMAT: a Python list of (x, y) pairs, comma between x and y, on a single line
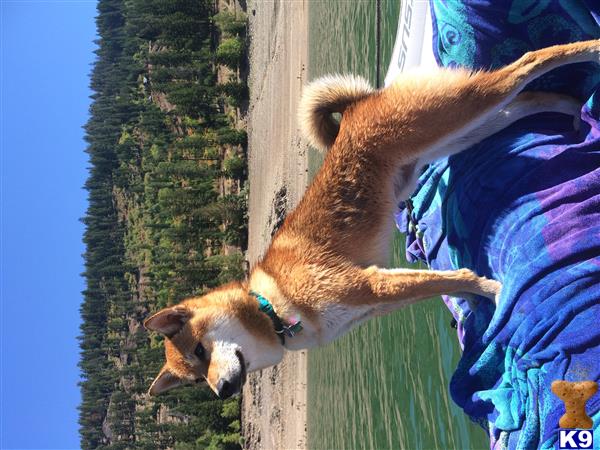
[(384, 385)]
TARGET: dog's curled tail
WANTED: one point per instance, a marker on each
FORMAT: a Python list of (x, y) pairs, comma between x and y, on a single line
[(323, 97)]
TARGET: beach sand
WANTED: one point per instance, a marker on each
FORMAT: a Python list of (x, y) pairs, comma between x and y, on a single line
[(274, 400)]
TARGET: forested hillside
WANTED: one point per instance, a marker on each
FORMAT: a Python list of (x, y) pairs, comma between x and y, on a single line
[(167, 211)]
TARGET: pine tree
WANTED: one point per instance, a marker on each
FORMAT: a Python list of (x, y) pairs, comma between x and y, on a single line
[(156, 223)]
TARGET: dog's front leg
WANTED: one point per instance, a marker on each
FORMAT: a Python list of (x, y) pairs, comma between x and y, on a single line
[(405, 286)]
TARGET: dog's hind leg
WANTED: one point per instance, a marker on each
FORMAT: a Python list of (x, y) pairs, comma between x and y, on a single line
[(405, 286), (416, 117), (503, 87), (524, 105)]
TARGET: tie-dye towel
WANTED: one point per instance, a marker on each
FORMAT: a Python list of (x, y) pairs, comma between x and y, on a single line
[(522, 207)]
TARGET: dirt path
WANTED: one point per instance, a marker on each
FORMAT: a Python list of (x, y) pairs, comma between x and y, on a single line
[(274, 400)]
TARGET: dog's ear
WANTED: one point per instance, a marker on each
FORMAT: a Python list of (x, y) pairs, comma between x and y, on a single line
[(168, 321), (164, 381)]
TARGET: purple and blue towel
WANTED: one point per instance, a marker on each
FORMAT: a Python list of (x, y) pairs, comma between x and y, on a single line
[(522, 207)]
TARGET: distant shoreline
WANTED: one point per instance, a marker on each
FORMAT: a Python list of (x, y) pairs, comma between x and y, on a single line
[(274, 400)]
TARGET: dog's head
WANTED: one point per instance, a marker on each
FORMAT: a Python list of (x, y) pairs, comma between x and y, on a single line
[(217, 338)]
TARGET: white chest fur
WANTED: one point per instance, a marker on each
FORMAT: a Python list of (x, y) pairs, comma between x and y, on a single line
[(333, 321), (338, 318)]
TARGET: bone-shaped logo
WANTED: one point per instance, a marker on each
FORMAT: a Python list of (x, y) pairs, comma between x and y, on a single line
[(574, 395)]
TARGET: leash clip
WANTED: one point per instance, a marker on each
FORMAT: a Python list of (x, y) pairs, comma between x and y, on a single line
[(293, 328)]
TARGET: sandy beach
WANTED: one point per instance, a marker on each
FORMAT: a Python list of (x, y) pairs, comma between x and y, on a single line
[(274, 400)]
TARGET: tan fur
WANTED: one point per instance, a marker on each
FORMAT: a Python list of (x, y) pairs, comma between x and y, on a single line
[(323, 262), (320, 99)]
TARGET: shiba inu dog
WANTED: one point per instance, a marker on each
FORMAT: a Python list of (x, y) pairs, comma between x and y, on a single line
[(322, 273)]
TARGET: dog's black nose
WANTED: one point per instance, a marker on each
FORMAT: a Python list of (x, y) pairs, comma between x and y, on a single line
[(225, 389)]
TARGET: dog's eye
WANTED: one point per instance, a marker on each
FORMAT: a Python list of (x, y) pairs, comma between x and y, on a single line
[(199, 352)]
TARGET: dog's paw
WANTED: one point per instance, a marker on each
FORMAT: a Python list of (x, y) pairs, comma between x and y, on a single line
[(591, 48), (490, 289), (485, 288), (496, 288)]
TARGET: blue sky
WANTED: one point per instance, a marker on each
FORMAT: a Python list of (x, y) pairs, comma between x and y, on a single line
[(46, 60)]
